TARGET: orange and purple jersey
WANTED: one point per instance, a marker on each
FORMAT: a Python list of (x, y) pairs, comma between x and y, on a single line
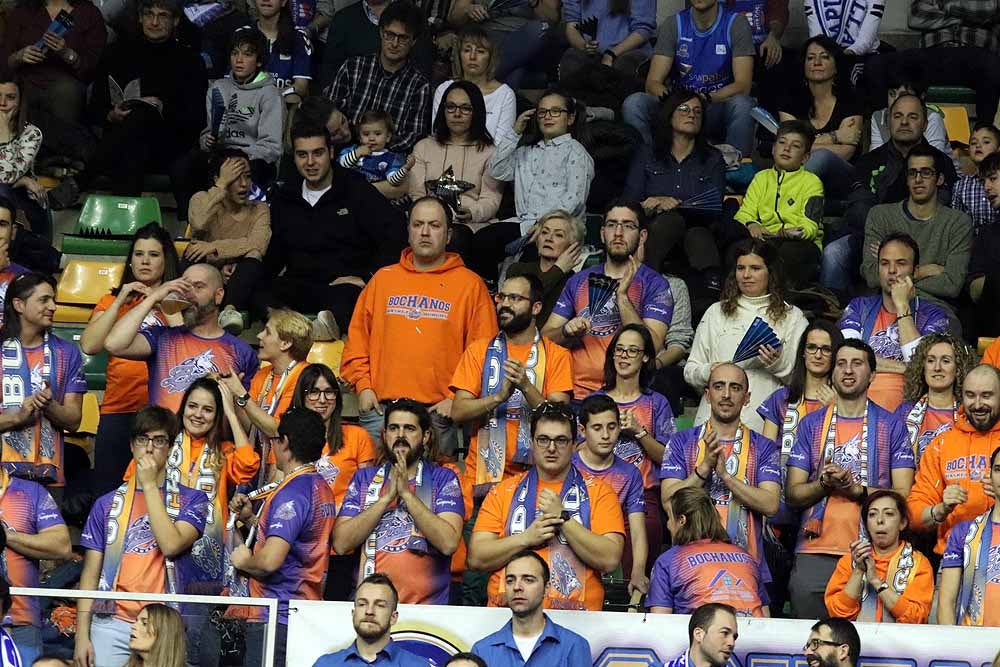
[(7, 275), (179, 357), (128, 379), (652, 412), (302, 513), (649, 292), (27, 508), (689, 575), (422, 573), (623, 478)]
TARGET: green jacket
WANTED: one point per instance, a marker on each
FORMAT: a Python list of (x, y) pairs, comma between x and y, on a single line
[(785, 200)]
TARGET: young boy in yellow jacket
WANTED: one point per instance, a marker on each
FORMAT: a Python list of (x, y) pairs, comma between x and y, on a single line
[(784, 204)]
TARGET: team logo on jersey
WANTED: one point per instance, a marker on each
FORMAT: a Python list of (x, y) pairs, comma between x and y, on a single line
[(926, 437), (207, 555), (183, 374), (629, 450), (886, 343), (848, 455), (564, 578), (993, 568), (139, 538), (37, 379), (418, 307), (393, 532), (327, 470), (285, 511)]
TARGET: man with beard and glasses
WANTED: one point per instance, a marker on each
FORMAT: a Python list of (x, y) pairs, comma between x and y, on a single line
[(177, 356), (573, 522), (407, 513), (712, 635), (948, 488), (968, 568), (738, 467), (530, 638), (833, 642), (375, 601), (500, 380), (641, 296), (841, 453)]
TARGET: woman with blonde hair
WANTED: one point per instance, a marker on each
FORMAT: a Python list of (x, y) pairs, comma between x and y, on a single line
[(685, 576), (932, 386), (157, 638)]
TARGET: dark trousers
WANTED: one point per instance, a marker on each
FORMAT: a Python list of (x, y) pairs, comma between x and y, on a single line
[(989, 318), (670, 382), (307, 296), (112, 452), (340, 577), (37, 217), (483, 251), (55, 105), (256, 632), (801, 261), (189, 174), (242, 284), (141, 143), (701, 236)]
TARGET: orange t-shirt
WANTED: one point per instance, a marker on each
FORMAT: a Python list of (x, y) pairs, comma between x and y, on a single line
[(356, 450), (913, 606), (127, 380), (842, 518), (886, 388), (469, 377), (605, 518), (287, 389)]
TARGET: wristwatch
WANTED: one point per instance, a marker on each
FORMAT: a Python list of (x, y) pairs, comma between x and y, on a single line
[(243, 400)]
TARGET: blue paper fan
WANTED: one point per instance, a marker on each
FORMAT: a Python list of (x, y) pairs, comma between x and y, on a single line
[(709, 201), (759, 333), (588, 27), (218, 111), (601, 289)]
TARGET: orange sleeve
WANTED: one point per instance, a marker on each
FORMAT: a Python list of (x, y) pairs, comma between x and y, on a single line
[(605, 510), (992, 354), (257, 382), (355, 366), (242, 463), (482, 322), (359, 441), (928, 486), (493, 513), (104, 303), (468, 375), (914, 605), (559, 370), (838, 603)]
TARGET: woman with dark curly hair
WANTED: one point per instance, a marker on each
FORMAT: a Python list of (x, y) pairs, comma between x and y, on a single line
[(755, 287), (932, 388)]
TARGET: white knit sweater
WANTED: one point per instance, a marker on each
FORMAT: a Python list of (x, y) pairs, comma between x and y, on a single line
[(716, 340)]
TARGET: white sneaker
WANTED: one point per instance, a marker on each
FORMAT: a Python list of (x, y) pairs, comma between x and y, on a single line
[(231, 320), (325, 327)]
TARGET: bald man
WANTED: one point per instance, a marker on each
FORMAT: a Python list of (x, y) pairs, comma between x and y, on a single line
[(948, 488), (738, 467), (177, 356)]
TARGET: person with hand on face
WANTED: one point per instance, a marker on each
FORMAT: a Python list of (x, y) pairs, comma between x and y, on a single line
[(755, 288), (44, 399), (842, 453), (533, 370), (19, 144), (405, 491), (157, 638), (120, 559), (530, 638), (231, 233), (287, 559), (949, 487), (932, 389), (833, 642), (883, 579), (575, 524), (558, 238), (545, 155), (152, 260), (9, 270), (412, 323), (642, 296), (894, 321), (966, 587), (178, 355), (737, 466), (374, 614), (386, 170), (600, 424), (968, 194), (712, 635), (784, 205)]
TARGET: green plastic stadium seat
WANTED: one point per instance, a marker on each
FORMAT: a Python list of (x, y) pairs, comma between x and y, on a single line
[(95, 367), (107, 223), (951, 95)]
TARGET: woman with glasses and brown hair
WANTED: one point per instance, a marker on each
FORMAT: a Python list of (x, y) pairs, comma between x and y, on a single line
[(686, 576), (932, 389)]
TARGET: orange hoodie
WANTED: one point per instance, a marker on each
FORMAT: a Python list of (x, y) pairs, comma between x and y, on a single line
[(960, 456), (410, 328)]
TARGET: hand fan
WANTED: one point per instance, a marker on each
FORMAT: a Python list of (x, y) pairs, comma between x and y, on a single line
[(588, 27), (218, 111), (759, 333), (601, 289), (709, 201)]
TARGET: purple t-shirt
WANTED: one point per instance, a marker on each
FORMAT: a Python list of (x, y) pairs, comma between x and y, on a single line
[(422, 578), (179, 357), (651, 411), (624, 478)]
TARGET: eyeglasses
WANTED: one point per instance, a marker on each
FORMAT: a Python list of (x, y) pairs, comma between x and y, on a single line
[(614, 225), (627, 352), (544, 441), (690, 109), (159, 441), (395, 37), (925, 172), (513, 298), (824, 350), (555, 112), (463, 109), (149, 15), (327, 394), (815, 643)]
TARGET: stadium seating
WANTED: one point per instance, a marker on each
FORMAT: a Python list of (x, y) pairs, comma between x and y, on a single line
[(82, 284), (107, 223), (95, 366)]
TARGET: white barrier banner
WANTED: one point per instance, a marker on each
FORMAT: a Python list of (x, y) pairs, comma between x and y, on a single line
[(637, 640)]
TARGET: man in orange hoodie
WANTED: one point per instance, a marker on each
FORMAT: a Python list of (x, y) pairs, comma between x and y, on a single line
[(948, 487), (412, 322)]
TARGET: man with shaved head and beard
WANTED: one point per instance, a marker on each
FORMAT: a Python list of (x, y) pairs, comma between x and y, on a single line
[(177, 356), (738, 467), (948, 488)]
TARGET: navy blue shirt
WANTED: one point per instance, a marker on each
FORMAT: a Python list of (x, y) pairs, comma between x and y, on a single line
[(650, 176), (556, 646), (390, 656)]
